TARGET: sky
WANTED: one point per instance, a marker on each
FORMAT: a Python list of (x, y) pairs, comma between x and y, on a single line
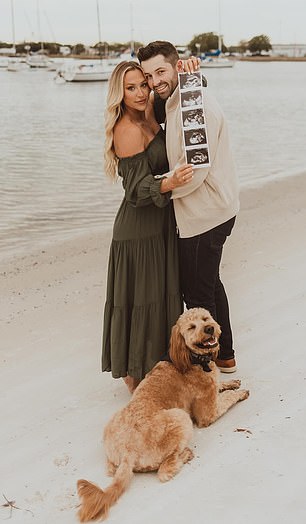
[(72, 21)]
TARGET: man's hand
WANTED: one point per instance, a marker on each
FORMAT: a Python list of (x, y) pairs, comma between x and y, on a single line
[(191, 65)]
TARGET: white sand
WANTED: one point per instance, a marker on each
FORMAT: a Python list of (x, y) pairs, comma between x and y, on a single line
[(55, 402)]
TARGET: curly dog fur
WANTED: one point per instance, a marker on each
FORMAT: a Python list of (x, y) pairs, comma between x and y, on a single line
[(153, 431)]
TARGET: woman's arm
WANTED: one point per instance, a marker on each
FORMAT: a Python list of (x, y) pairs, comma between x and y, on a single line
[(142, 188)]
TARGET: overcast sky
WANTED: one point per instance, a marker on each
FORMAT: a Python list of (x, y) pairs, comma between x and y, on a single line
[(72, 21)]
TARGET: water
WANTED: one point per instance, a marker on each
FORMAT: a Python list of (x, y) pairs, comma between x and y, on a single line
[(265, 104), (52, 183)]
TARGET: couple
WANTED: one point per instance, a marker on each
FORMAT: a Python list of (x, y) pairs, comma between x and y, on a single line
[(144, 292)]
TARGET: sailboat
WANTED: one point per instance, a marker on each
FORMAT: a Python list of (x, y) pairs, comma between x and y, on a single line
[(215, 59), (14, 65), (39, 60), (88, 72)]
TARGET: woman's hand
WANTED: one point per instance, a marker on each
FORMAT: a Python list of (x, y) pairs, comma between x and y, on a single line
[(181, 176)]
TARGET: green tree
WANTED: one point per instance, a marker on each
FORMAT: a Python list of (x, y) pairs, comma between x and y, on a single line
[(206, 42), (78, 49), (259, 43), (52, 47), (242, 46), (5, 45), (203, 43)]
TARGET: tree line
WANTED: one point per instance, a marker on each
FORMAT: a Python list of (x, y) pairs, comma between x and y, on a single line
[(206, 42), (199, 45)]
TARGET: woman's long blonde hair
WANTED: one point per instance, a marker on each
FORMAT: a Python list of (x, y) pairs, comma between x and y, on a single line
[(113, 113)]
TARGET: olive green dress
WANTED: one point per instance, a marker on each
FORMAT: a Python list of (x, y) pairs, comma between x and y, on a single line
[(143, 299)]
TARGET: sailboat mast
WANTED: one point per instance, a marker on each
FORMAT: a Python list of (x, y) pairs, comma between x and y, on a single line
[(13, 24), (38, 26), (99, 27), (219, 27), (132, 31)]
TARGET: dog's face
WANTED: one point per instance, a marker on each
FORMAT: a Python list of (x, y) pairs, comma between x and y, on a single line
[(199, 330), (194, 331)]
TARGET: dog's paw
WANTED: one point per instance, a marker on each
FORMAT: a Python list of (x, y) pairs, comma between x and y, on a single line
[(164, 475), (235, 384), (187, 455), (110, 469), (244, 394), (230, 384)]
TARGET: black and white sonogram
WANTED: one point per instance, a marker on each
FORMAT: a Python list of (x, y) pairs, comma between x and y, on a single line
[(197, 156), (193, 117), (195, 137), (191, 98), (188, 81)]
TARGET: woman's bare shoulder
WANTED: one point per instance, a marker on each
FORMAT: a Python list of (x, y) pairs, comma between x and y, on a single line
[(128, 139)]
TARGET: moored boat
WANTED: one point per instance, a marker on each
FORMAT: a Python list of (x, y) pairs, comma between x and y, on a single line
[(4, 61), (217, 61), (17, 65), (86, 73), (39, 61)]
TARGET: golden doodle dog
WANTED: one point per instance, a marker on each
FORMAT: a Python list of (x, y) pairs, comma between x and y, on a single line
[(153, 431)]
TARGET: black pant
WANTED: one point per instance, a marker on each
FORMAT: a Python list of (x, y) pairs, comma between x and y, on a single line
[(200, 259)]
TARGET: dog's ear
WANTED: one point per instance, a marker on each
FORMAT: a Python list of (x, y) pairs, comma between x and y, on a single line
[(178, 351)]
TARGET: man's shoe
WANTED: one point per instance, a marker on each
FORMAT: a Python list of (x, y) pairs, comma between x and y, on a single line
[(226, 366)]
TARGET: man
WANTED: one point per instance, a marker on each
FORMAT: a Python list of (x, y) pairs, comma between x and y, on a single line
[(206, 207)]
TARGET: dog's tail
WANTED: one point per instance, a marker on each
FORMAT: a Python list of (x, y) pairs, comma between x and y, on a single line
[(95, 501)]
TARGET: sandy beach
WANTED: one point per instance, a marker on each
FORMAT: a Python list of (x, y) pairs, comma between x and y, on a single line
[(55, 402)]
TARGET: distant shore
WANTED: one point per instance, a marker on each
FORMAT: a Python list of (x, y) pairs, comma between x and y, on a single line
[(269, 58), (259, 58), (240, 58)]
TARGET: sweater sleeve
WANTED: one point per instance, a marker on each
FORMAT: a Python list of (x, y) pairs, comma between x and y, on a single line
[(140, 186)]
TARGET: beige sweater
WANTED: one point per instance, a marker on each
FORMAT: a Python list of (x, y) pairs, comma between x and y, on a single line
[(211, 198)]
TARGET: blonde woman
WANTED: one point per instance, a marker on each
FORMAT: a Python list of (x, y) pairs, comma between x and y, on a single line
[(143, 299)]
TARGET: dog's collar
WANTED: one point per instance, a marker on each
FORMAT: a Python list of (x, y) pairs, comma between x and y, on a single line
[(201, 360), (196, 360)]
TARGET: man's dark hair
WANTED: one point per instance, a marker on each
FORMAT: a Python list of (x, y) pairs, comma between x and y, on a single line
[(159, 47)]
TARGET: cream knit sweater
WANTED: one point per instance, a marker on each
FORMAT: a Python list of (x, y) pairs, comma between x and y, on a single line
[(211, 198)]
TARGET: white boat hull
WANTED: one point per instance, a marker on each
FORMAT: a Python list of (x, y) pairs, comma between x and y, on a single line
[(216, 63), (90, 77), (87, 73), (38, 61), (4, 63), (14, 66)]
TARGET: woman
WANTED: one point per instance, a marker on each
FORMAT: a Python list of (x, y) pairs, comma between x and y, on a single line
[(143, 298)]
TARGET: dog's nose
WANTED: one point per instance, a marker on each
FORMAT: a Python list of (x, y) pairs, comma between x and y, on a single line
[(209, 330)]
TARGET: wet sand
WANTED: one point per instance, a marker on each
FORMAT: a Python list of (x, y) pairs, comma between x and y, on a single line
[(55, 402)]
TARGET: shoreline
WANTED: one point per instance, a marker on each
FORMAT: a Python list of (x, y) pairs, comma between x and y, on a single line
[(257, 58), (74, 236), (269, 58), (55, 401)]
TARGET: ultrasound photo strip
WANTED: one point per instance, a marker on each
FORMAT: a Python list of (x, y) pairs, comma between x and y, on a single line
[(193, 119)]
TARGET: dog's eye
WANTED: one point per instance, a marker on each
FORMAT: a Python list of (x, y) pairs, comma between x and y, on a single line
[(205, 319), (192, 326)]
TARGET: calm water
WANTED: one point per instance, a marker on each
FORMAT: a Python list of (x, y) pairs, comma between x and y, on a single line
[(52, 183)]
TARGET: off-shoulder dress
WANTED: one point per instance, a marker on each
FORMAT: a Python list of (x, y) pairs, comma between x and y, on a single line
[(143, 298)]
